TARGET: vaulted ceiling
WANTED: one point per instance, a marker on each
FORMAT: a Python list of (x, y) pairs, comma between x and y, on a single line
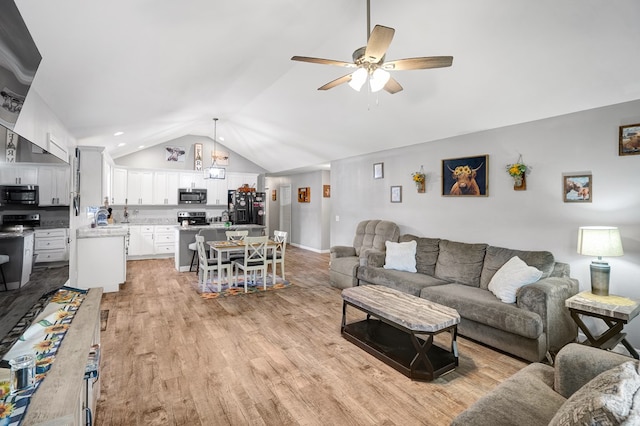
[(160, 69)]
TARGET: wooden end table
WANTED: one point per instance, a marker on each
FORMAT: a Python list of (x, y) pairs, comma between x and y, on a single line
[(615, 311), (402, 330)]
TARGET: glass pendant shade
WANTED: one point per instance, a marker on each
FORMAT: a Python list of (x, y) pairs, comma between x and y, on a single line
[(378, 79), (358, 78)]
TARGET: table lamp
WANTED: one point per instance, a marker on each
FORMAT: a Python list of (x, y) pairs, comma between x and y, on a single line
[(599, 241)]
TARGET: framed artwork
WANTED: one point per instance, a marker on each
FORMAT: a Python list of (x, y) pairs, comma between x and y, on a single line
[(396, 194), (274, 196), (197, 156), (466, 176), (304, 195), (629, 141), (11, 147), (220, 158), (577, 188), (378, 170), (326, 191), (174, 153)]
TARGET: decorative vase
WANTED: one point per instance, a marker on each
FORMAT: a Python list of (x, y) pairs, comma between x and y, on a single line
[(520, 183), (420, 186)]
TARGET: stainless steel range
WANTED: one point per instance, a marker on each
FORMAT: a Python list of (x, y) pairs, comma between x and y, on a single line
[(11, 222), (193, 218)]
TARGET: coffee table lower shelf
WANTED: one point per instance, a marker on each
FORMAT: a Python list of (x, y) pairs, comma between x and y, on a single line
[(397, 348)]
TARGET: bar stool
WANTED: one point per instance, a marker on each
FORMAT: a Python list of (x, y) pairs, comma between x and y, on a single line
[(3, 259), (194, 247)]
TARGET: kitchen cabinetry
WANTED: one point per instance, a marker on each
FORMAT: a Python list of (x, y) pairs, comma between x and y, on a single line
[(216, 192), (141, 240), (118, 186), (164, 239), (192, 180), (139, 187), (18, 175), (53, 183), (51, 245), (102, 262), (165, 188)]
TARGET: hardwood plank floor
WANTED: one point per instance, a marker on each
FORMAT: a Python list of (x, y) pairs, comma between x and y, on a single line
[(170, 357)]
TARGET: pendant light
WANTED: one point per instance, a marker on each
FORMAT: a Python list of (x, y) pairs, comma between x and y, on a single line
[(215, 171)]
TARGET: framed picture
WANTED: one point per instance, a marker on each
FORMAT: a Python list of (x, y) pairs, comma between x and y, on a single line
[(274, 196), (304, 195), (577, 188), (326, 191), (197, 156), (174, 153), (396, 194), (466, 176), (378, 170), (629, 141)]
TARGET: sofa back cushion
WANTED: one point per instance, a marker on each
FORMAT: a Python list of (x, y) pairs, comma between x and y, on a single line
[(460, 262), (372, 234), (426, 253), (498, 256)]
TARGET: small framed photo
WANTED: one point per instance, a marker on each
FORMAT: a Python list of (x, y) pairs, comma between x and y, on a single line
[(274, 195), (466, 176), (629, 141), (396, 194), (577, 188), (304, 195), (326, 191), (378, 170)]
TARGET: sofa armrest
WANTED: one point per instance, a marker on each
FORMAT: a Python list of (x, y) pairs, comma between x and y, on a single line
[(577, 364), (376, 258), (342, 251), (546, 298)]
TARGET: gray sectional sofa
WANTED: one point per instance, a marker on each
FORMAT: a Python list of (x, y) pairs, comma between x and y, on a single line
[(458, 274)]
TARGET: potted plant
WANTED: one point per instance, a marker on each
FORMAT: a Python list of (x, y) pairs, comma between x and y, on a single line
[(419, 179), (518, 171)]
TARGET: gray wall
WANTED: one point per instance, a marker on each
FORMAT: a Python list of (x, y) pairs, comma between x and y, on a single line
[(537, 218)]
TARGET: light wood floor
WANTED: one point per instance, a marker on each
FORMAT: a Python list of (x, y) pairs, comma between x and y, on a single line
[(277, 358)]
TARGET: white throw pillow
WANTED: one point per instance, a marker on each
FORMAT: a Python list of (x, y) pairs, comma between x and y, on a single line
[(510, 277), (401, 256)]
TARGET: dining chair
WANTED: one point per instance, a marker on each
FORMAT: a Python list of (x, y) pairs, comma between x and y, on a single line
[(236, 236), (206, 266), (280, 238), (3, 259), (254, 260)]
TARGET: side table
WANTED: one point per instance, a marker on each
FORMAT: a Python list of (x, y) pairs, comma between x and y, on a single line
[(615, 311)]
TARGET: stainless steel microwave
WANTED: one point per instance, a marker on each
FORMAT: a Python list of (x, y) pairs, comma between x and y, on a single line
[(19, 194), (192, 196)]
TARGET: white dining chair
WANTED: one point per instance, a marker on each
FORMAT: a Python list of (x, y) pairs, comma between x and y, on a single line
[(3, 259), (236, 236), (254, 260), (280, 238), (206, 266)]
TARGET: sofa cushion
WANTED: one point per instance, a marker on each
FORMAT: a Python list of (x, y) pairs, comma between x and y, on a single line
[(498, 256), (482, 306), (460, 262), (611, 398), (401, 256), (426, 253), (398, 280), (510, 277), (373, 234)]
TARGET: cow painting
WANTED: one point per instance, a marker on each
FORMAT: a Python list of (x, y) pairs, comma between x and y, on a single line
[(577, 188), (465, 176), (175, 153)]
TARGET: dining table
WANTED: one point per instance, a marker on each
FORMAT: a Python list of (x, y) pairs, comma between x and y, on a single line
[(218, 248)]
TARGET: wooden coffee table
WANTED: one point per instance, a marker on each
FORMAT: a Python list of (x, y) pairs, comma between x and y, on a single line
[(399, 330)]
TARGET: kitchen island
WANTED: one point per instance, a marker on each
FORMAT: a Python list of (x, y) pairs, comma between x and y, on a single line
[(186, 235), (102, 259)]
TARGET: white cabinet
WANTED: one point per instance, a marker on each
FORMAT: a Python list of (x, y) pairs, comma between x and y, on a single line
[(18, 175), (141, 240), (118, 186), (102, 262), (192, 180), (53, 183), (164, 239), (216, 192), (165, 188), (51, 245), (139, 187)]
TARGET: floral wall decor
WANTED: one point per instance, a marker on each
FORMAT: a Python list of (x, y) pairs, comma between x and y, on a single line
[(519, 171), (419, 179)]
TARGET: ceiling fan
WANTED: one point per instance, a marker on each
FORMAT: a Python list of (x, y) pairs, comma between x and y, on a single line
[(370, 62)]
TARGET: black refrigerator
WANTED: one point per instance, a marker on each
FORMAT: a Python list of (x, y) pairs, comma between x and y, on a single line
[(247, 207)]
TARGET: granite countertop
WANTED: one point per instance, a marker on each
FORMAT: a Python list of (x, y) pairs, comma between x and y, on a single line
[(102, 231), (14, 234), (218, 226)]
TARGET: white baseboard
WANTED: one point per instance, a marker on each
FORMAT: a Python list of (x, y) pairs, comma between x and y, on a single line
[(315, 250)]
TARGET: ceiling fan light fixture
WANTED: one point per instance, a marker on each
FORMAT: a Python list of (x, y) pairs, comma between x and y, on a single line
[(378, 79), (358, 78)]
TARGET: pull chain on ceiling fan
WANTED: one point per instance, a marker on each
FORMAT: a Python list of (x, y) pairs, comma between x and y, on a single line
[(370, 64)]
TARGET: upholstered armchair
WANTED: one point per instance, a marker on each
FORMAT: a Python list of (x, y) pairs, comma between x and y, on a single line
[(370, 237)]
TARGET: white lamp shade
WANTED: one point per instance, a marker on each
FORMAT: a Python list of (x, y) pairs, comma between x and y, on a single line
[(599, 241), (358, 78), (378, 79)]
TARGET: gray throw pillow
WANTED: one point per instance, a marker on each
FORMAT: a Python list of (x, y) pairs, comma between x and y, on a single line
[(611, 398)]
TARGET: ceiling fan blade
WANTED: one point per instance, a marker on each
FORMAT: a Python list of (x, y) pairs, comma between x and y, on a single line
[(336, 82), (419, 63), (323, 61), (378, 43), (392, 86)]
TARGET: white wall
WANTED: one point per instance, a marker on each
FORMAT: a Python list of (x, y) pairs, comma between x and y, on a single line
[(535, 219)]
